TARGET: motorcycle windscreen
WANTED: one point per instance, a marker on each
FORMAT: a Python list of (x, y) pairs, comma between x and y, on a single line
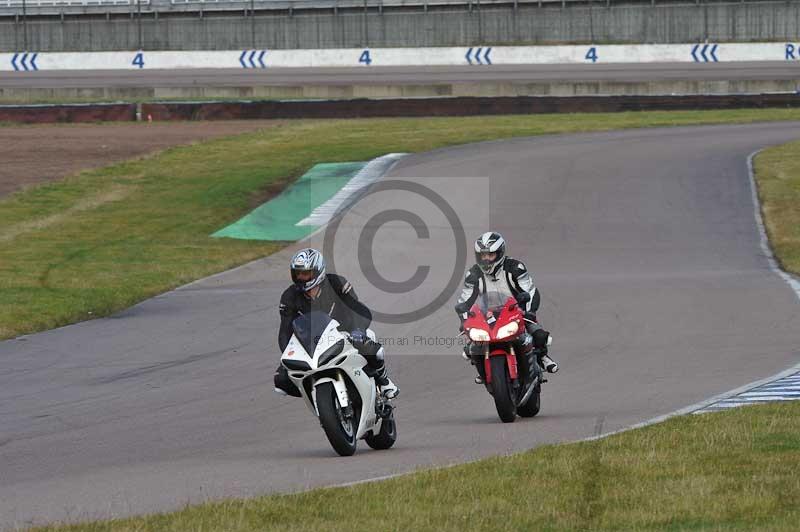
[(494, 301), (309, 329)]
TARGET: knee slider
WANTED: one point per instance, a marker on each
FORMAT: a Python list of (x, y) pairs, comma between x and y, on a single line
[(281, 376)]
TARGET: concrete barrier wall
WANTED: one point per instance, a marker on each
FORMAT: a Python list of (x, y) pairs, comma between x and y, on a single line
[(413, 27), (478, 57)]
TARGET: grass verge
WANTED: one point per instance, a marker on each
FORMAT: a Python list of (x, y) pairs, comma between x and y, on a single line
[(778, 176), (734, 470), (105, 239)]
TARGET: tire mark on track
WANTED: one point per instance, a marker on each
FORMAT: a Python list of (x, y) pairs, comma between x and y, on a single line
[(153, 368)]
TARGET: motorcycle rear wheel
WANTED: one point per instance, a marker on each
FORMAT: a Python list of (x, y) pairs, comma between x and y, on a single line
[(385, 437), (533, 404)]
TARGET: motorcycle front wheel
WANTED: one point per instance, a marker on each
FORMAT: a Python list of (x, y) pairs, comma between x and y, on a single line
[(339, 427), (501, 390)]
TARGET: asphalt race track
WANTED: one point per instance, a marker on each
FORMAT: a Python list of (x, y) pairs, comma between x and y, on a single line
[(643, 243), (374, 75)]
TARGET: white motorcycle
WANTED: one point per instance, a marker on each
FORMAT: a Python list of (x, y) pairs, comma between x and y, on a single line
[(330, 374)]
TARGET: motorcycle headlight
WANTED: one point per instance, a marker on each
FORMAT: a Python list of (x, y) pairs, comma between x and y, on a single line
[(331, 352), (479, 335), (508, 330), (297, 365)]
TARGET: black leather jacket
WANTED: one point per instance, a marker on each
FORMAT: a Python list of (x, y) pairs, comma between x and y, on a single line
[(336, 298)]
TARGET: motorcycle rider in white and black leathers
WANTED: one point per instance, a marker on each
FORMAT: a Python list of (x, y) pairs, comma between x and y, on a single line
[(315, 290), (496, 272)]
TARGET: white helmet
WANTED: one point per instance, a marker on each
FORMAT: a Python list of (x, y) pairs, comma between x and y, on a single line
[(308, 259), (490, 242)]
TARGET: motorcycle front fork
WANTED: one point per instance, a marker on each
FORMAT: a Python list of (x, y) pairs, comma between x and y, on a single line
[(532, 364)]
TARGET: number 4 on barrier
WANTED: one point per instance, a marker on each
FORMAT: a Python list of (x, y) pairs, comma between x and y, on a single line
[(365, 58), (591, 55), (138, 60)]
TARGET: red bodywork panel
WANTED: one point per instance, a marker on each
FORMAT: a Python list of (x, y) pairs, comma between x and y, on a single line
[(508, 313)]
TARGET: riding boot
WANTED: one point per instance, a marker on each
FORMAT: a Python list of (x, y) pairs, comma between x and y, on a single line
[(478, 362), (549, 365), (373, 352), (388, 389)]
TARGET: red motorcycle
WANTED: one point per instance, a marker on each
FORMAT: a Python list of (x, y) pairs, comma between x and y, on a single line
[(514, 380)]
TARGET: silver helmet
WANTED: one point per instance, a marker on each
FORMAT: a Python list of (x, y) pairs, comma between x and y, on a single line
[(490, 242), (308, 259)]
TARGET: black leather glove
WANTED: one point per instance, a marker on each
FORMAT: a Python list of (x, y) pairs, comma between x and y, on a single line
[(461, 308), (363, 343), (523, 298), (358, 338)]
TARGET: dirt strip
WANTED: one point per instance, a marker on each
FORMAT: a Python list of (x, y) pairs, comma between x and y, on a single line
[(36, 154)]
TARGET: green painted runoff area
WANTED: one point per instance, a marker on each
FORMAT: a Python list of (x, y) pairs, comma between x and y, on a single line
[(275, 220)]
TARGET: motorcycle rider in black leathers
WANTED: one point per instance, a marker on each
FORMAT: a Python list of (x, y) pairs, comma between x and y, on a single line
[(494, 271), (314, 290)]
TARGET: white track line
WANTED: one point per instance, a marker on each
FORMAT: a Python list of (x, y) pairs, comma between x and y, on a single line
[(372, 171), (793, 283), (385, 169), (702, 405)]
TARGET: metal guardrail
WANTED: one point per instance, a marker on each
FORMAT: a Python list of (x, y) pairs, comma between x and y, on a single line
[(313, 4), (326, 4), (34, 8), (50, 7), (69, 3), (54, 25)]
